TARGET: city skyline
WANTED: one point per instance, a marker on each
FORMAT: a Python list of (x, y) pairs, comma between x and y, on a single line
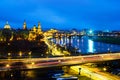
[(60, 14)]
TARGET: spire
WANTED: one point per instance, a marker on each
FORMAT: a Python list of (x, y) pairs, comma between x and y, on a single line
[(39, 27), (6, 22), (24, 25), (24, 22), (34, 28)]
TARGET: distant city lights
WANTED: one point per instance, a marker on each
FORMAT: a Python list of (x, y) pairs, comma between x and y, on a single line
[(90, 31)]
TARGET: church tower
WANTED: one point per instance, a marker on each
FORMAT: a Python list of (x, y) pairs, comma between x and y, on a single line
[(34, 28), (24, 25), (39, 27)]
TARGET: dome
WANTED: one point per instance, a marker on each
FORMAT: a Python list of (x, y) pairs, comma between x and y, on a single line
[(7, 26)]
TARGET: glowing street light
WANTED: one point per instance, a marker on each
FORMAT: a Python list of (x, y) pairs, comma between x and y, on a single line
[(7, 65), (11, 75), (104, 69), (29, 53), (32, 63), (20, 53), (59, 60), (9, 54)]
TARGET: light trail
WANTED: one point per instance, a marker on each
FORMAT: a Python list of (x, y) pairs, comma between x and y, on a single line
[(61, 61)]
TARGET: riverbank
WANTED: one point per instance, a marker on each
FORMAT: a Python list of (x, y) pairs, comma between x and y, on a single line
[(105, 39)]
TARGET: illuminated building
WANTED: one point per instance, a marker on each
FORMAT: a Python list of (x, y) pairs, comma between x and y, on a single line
[(50, 33), (24, 25), (35, 32), (6, 33), (7, 26), (39, 28)]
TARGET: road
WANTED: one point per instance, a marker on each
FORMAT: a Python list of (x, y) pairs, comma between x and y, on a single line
[(32, 63), (94, 73), (53, 48)]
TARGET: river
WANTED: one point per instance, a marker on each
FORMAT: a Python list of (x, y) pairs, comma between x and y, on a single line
[(84, 45)]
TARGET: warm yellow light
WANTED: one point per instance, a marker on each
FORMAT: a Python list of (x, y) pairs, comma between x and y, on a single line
[(9, 54), (11, 75), (32, 63), (1, 39), (8, 43), (30, 53), (7, 65), (20, 53), (59, 60), (104, 69)]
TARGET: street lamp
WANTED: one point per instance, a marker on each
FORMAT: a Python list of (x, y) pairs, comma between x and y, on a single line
[(32, 63), (7, 65), (59, 60), (104, 69), (47, 54), (20, 53), (79, 70), (9, 54), (29, 54)]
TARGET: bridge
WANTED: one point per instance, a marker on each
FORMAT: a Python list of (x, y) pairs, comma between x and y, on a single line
[(34, 63)]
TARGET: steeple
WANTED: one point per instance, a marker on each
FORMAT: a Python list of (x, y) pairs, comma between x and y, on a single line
[(24, 25), (7, 22), (39, 27), (34, 28)]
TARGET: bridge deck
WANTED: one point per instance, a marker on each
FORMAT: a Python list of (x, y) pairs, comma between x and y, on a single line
[(31, 63)]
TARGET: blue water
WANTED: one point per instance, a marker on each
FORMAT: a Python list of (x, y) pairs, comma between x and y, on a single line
[(84, 45)]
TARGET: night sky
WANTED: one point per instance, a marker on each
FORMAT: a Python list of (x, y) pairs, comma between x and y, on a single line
[(61, 14)]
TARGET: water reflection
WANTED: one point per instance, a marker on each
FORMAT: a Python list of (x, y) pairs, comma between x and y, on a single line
[(85, 45), (90, 46)]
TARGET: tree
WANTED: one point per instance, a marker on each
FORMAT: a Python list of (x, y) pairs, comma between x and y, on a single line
[(7, 34)]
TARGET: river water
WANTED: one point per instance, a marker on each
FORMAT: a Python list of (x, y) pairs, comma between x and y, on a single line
[(84, 45)]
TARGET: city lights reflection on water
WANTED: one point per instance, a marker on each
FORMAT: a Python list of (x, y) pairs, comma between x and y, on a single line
[(90, 46), (86, 45)]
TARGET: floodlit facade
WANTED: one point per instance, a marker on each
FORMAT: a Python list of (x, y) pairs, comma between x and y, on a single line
[(7, 26), (35, 31)]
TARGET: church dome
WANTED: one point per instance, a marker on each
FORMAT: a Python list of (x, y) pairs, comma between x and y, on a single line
[(7, 26)]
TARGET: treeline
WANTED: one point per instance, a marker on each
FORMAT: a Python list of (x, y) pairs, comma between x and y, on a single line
[(111, 40), (23, 46)]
